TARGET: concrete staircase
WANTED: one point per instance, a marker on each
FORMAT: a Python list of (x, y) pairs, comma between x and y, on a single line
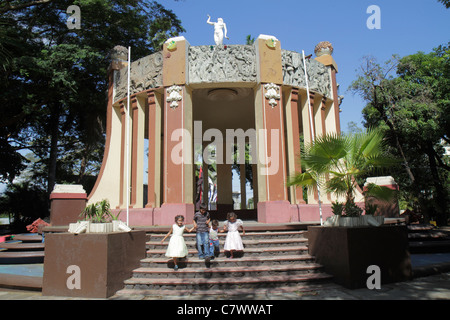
[(426, 238), (24, 248), (272, 260)]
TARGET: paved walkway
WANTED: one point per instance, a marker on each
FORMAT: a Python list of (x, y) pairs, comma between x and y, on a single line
[(426, 288), (433, 284)]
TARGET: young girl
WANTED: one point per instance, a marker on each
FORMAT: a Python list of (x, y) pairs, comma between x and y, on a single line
[(233, 241), (177, 247)]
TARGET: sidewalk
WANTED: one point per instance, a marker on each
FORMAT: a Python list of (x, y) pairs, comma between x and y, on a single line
[(436, 287), (432, 287)]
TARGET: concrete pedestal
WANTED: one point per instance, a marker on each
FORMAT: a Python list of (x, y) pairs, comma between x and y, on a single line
[(66, 204), (90, 265), (346, 253)]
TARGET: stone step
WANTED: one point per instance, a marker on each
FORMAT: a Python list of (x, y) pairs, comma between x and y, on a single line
[(241, 294), (259, 282), (247, 243), (28, 237), (225, 272), (255, 251), (22, 257), (222, 261), (248, 235), (18, 246)]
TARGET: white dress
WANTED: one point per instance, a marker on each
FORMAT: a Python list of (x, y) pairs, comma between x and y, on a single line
[(177, 247), (233, 240)]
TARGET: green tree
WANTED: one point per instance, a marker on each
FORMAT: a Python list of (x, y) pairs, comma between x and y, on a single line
[(53, 88), (446, 3), (413, 109)]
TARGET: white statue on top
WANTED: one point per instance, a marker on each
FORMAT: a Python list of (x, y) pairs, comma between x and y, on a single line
[(219, 26)]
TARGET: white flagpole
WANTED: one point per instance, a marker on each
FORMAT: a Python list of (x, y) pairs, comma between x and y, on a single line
[(127, 188), (311, 124)]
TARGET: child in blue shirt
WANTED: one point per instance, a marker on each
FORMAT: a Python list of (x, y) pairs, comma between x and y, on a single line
[(214, 247)]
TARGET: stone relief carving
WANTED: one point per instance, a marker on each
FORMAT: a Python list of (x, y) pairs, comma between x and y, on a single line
[(234, 63), (146, 73), (294, 74), (272, 94), (174, 96)]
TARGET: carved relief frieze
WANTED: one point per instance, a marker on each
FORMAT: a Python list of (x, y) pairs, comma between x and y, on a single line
[(294, 74), (236, 63), (146, 73)]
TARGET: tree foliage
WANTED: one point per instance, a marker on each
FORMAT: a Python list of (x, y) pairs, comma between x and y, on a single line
[(413, 107), (54, 84)]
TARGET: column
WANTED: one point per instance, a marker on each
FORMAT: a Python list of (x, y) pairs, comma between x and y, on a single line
[(243, 181), (106, 185), (134, 151), (178, 156), (123, 117), (326, 59), (293, 143), (154, 150), (273, 205)]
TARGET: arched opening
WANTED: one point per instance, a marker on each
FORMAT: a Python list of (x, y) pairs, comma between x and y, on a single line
[(224, 138)]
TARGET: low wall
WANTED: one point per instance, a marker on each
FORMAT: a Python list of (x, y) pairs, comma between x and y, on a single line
[(347, 252), (92, 265)]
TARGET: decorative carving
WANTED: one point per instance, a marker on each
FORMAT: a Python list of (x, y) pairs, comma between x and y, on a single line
[(174, 96), (272, 94), (323, 48), (146, 73), (271, 43), (172, 45), (294, 74), (236, 63)]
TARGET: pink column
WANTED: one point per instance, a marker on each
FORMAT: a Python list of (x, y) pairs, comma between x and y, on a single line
[(276, 208)]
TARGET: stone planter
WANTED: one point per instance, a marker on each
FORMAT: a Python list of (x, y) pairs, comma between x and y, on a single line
[(366, 220), (91, 265), (347, 252), (100, 227), (89, 227)]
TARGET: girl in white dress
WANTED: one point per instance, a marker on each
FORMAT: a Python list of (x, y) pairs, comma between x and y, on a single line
[(233, 241), (177, 247)]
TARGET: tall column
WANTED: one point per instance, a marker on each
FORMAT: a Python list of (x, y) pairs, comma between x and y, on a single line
[(178, 157), (154, 150), (293, 142), (323, 116), (137, 144), (243, 187), (107, 186), (122, 194), (273, 205), (323, 51)]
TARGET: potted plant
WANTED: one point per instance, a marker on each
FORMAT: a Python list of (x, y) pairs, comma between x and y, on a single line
[(334, 162), (99, 215), (98, 218)]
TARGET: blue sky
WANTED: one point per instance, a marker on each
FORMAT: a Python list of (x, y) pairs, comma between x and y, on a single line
[(406, 28)]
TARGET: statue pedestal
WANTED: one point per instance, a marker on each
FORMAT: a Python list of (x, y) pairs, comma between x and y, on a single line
[(67, 202)]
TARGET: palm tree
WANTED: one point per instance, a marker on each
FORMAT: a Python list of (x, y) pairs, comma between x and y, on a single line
[(334, 162)]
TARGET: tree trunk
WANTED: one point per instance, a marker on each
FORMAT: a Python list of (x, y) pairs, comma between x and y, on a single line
[(441, 195), (391, 126), (54, 131)]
